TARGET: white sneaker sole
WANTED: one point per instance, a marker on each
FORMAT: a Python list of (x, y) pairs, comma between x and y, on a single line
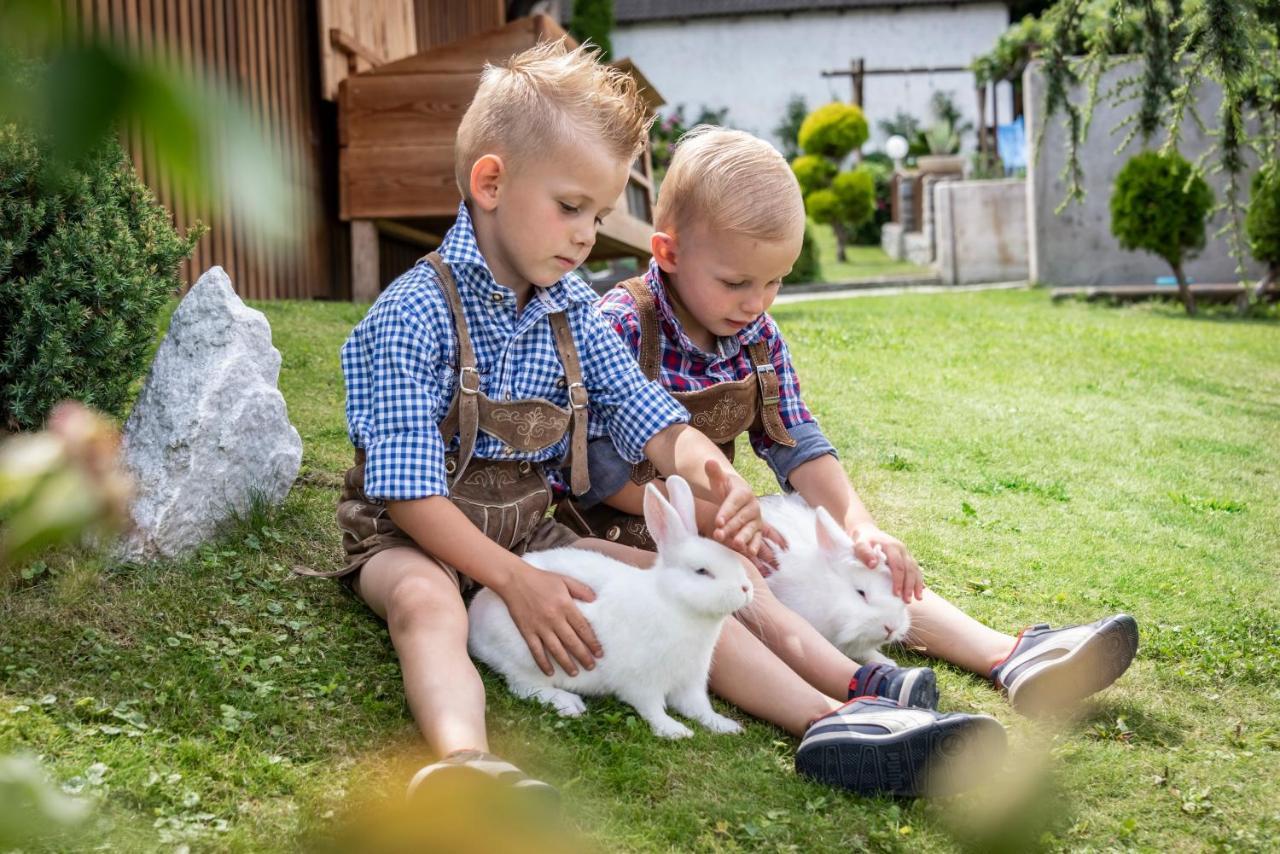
[(1057, 686)]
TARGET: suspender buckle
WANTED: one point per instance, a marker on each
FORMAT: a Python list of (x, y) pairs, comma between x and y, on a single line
[(577, 396), (769, 389), (474, 386)]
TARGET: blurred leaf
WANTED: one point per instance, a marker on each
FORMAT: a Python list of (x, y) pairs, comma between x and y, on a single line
[(204, 134), (31, 808), (85, 91)]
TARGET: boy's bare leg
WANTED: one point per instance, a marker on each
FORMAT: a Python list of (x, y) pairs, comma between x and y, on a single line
[(428, 625), (944, 631), (794, 639), (752, 674)]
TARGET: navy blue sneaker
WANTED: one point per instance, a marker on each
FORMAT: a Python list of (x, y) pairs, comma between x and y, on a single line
[(1049, 671), (872, 746), (907, 686)]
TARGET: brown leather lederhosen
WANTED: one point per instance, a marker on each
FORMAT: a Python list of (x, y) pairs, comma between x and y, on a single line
[(506, 499), (723, 412)]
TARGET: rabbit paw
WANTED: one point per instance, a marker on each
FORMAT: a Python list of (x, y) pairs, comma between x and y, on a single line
[(670, 728), (875, 656), (719, 723), (567, 704)]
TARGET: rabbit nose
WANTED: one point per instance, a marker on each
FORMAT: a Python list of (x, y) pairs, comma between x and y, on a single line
[(888, 631), (746, 588)]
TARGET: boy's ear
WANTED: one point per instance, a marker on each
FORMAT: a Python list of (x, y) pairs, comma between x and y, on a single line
[(664, 248), (487, 175)]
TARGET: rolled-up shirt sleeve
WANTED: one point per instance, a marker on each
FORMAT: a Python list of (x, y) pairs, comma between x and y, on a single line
[(810, 444), (404, 450), (625, 406), (609, 471)]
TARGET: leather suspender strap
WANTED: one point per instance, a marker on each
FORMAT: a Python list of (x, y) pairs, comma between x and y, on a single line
[(579, 477), (468, 374), (770, 389), (650, 337), (650, 342)]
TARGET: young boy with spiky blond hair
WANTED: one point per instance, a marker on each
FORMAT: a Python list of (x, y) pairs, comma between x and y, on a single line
[(471, 378), (729, 224)]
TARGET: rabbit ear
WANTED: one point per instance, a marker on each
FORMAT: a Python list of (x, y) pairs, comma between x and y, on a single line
[(681, 498), (831, 537), (665, 524)]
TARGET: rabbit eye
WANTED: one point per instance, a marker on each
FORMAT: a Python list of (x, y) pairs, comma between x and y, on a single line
[(863, 594), (703, 571)]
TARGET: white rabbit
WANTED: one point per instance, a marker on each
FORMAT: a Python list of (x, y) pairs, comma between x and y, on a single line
[(658, 627), (818, 577)]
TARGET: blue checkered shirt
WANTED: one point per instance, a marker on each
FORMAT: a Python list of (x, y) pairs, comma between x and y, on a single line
[(401, 370)]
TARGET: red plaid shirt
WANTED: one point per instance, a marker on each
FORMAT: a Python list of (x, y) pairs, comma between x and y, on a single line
[(686, 367)]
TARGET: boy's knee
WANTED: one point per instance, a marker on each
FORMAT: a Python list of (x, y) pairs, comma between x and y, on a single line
[(415, 602)]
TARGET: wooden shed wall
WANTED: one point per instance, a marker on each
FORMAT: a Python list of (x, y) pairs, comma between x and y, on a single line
[(265, 48)]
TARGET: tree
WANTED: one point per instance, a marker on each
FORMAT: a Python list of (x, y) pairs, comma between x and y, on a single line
[(593, 20), (1262, 225), (1230, 43), (788, 129), (1160, 205), (842, 199), (666, 132)]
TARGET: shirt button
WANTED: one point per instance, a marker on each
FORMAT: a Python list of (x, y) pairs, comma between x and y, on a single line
[(507, 396), (561, 382), (496, 296)]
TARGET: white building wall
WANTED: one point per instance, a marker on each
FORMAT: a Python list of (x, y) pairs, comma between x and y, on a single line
[(753, 64)]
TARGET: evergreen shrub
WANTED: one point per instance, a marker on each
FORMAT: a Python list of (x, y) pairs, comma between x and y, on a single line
[(87, 260)]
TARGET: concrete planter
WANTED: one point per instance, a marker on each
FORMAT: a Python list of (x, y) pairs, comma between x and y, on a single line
[(940, 164)]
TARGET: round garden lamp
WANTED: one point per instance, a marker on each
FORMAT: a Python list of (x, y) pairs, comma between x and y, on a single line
[(896, 147)]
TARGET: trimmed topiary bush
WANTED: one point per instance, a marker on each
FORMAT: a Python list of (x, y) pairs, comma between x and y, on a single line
[(813, 172), (880, 167), (87, 260), (1159, 204), (833, 130), (856, 191), (1262, 224), (806, 268), (827, 136)]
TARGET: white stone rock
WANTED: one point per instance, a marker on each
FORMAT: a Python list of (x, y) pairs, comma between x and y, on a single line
[(209, 431)]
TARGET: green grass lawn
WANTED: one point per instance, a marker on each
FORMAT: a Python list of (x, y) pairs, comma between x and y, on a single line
[(1045, 463), (861, 262)]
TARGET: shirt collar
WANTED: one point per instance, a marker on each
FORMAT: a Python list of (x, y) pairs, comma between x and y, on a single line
[(461, 252), (726, 347)]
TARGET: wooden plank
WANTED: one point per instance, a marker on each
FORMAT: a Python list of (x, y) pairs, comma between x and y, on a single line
[(354, 49), (470, 54), (439, 22), (406, 181), (408, 233), (221, 246), (622, 234), (384, 26), (404, 109), (365, 285)]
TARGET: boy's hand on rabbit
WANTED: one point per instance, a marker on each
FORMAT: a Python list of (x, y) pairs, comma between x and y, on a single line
[(739, 524), (541, 605), (872, 545)]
